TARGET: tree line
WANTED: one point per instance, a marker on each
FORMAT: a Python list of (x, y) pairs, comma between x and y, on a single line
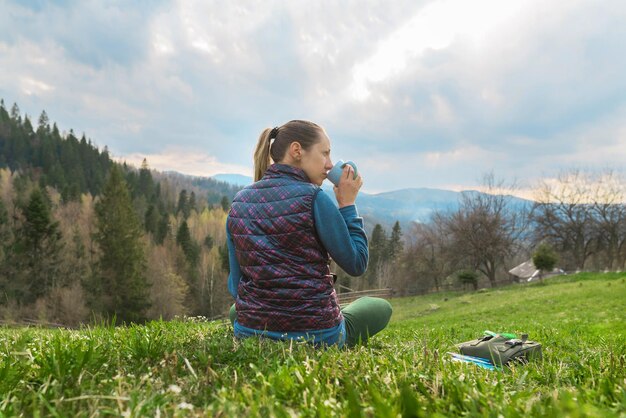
[(576, 222), (84, 237)]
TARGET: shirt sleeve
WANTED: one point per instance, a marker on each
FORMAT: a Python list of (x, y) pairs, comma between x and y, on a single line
[(234, 276), (342, 234)]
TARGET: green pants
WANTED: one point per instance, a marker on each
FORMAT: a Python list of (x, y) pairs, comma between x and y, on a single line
[(364, 318)]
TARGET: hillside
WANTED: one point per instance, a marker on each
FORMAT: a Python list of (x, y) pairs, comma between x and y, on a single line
[(60, 205), (195, 368), (75, 166)]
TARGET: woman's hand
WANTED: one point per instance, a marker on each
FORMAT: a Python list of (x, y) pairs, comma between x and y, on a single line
[(348, 187)]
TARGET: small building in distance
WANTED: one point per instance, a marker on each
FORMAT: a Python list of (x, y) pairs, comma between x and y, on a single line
[(528, 272)]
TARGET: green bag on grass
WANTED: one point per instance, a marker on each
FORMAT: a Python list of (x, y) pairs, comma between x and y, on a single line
[(500, 348)]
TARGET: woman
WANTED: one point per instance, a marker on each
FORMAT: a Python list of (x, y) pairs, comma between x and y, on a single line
[(280, 233)]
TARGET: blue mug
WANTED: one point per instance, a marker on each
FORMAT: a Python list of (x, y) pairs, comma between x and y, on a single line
[(334, 175)]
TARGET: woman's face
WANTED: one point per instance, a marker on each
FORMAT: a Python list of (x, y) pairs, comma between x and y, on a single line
[(316, 161)]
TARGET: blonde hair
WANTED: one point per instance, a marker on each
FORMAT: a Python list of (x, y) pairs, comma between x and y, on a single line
[(262, 158), (302, 131)]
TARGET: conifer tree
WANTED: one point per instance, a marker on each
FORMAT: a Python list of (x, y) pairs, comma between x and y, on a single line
[(27, 125), (395, 245), (123, 285), (192, 202), (183, 204), (4, 115), (224, 257), (38, 247), (188, 245), (151, 219), (163, 228), (191, 250), (15, 113), (43, 126), (225, 203), (4, 242), (378, 251), (378, 244), (146, 183)]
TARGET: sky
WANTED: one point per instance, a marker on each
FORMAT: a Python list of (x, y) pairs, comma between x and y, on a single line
[(417, 93)]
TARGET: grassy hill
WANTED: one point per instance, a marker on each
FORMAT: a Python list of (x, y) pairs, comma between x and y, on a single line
[(190, 368)]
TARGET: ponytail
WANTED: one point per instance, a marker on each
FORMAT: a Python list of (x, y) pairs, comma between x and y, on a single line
[(262, 154), (305, 132)]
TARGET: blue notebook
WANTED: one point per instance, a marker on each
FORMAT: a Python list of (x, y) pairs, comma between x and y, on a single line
[(479, 361)]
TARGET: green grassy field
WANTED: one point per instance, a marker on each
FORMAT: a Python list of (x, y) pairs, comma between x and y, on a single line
[(197, 369)]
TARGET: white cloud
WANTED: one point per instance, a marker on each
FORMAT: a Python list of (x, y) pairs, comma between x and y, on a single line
[(185, 161), (434, 27), (31, 86), (451, 88), (466, 154)]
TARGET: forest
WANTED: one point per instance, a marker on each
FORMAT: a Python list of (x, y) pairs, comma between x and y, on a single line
[(85, 238)]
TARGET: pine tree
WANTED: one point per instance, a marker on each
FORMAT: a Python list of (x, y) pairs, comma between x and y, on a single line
[(395, 245), (122, 265), (43, 126), (4, 115), (5, 243), (378, 244), (151, 219), (146, 183), (38, 247), (183, 204), (192, 202), (224, 257), (27, 125), (163, 228), (132, 180), (225, 203), (378, 253), (15, 113), (188, 245), (191, 250)]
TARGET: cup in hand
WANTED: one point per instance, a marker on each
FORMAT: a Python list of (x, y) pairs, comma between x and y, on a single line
[(334, 175)]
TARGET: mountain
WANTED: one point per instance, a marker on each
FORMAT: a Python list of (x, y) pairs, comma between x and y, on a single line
[(234, 179), (405, 205)]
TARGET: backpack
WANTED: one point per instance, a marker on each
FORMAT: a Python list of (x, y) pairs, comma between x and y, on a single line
[(500, 348)]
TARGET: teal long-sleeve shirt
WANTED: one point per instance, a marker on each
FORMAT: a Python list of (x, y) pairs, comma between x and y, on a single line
[(340, 231)]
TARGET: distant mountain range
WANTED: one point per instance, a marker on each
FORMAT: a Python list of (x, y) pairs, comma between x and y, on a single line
[(405, 205), (235, 179)]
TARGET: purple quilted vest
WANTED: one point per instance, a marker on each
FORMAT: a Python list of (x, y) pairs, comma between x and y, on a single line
[(286, 283)]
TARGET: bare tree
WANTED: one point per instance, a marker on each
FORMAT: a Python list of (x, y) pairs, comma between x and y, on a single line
[(609, 212), (563, 216), (430, 251), (487, 228), (168, 288)]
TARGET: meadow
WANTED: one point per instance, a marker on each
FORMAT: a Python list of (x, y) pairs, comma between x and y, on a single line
[(193, 367)]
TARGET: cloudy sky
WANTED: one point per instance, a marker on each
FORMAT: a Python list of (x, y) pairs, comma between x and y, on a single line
[(417, 93)]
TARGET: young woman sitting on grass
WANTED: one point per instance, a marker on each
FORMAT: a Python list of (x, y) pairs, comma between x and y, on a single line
[(281, 233)]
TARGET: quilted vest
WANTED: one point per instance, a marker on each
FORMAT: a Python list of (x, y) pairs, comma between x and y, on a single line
[(286, 283)]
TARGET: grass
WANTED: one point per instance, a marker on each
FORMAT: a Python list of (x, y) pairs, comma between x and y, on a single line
[(195, 368)]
